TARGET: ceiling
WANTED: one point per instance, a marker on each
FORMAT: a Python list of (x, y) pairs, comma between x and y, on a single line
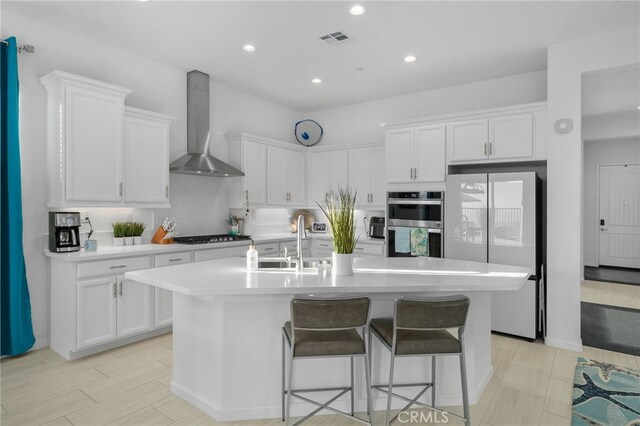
[(611, 92), (455, 42)]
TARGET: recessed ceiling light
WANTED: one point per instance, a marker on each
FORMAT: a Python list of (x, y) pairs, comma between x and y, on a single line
[(410, 58), (359, 69), (249, 48), (316, 81), (357, 10), (638, 107)]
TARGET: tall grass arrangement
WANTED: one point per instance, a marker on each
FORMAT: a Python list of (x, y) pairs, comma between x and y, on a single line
[(138, 228), (119, 229), (339, 208)]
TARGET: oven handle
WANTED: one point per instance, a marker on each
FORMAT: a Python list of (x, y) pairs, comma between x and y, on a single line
[(430, 230), (418, 202), (415, 223)]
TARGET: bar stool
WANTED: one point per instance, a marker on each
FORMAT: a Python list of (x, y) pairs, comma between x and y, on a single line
[(323, 327), (419, 328)]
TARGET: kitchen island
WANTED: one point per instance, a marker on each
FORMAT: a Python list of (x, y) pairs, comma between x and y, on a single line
[(227, 329)]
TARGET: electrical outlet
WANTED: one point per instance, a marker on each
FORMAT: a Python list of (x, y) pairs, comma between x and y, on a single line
[(84, 218), (128, 216)]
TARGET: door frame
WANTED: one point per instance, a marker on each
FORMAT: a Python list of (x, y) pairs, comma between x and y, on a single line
[(597, 228)]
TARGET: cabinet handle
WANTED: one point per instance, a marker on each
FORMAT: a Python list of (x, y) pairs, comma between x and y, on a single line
[(175, 260), (166, 191), (120, 189), (246, 195), (490, 148), (268, 248), (117, 267), (120, 291), (485, 149), (323, 245), (358, 248), (115, 291)]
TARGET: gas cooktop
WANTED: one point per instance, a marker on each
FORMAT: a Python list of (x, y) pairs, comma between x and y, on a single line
[(208, 239)]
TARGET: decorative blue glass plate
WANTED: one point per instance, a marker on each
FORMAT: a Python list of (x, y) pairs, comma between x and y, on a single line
[(308, 132)]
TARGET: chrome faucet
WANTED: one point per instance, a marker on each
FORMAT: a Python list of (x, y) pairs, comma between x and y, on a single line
[(300, 229)]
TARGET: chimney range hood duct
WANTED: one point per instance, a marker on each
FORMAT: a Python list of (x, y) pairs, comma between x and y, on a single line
[(198, 161)]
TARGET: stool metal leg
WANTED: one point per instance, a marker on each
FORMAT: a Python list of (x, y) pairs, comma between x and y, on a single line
[(390, 388), (351, 362), (367, 376), (290, 387), (463, 376), (433, 381)]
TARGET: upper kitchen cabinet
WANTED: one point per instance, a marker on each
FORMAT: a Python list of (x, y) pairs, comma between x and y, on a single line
[(366, 176), (285, 176), (327, 170), (84, 140), (274, 171), (416, 154), (507, 134), (146, 157)]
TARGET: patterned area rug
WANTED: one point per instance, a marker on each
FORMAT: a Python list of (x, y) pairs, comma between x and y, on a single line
[(605, 394)]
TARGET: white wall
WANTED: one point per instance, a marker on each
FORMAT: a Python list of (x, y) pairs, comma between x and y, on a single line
[(614, 125), (360, 123), (199, 203), (567, 62), (617, 151)]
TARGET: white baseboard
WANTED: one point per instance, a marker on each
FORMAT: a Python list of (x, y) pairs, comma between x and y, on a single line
[(564, 344), (41, 342)]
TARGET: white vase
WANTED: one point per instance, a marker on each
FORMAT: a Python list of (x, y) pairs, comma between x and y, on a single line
[(342, 264), (137, 241), (118, 241), (128, 241)]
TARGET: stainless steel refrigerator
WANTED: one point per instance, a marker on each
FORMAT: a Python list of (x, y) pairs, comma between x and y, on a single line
[(497, 218)]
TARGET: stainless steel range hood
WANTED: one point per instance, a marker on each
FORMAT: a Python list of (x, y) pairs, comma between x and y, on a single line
[(198, 161)]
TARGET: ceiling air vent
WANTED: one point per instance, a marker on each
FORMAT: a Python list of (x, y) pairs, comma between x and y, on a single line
[(336, 38)]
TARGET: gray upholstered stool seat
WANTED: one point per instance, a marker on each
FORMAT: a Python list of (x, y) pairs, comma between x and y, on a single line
[(420, 327), (323, 327), (416, 342), (326, 343)]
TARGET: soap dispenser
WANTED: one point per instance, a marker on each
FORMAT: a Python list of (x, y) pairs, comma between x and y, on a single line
[(252, 257)]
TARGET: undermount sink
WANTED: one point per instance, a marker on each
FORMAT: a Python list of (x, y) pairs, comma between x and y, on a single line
[(289, 264)]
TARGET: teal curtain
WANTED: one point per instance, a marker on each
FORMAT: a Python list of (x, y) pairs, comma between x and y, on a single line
[(15, 307)]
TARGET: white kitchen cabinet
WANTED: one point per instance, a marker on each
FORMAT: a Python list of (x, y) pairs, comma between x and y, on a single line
[(285, 176), (327, 170), (163, 299), (221, 253), (249, 155), (146, 157), (292, 247), (416, 154), (366, 176), (321, 247), (84, 145), (267, 249), (96, 311), (135, 308), (501, 137)]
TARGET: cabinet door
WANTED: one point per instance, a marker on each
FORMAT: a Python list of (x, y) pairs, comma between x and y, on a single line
[(296, 177), (277, 176), (255, 172), (429, 153), (163, 307), (146, 161), (339, 168), (93, 151), (360, 174), (319, 174), (378, 183), (96, 311), (511, 136), (134, 307), (399, 145), (467, 140)]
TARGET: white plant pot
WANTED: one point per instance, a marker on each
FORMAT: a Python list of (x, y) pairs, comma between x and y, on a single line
[(342, 264), (137, 241), (118, 241), (128, 241)]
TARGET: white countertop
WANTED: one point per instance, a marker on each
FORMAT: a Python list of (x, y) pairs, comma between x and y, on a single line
[(372, 274), (113, 252)]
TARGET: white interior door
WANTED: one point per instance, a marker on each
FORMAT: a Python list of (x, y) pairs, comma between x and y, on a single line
[(620, 215)]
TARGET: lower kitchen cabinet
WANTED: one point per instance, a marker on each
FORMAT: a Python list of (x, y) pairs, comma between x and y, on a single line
[(134, 308)]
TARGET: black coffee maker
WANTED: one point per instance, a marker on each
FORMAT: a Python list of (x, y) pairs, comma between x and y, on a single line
[(64, 232)]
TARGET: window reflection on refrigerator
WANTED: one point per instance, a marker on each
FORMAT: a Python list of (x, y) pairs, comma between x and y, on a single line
[(506, 213), (473, 217)]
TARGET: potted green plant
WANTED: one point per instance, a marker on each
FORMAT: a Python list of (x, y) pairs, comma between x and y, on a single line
[(118, 233), (339, 208), (128, 234), (138, 228)]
